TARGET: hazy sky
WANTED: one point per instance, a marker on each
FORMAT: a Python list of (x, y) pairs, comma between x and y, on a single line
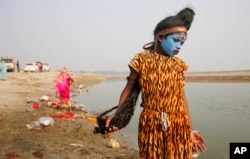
[(89, 35)]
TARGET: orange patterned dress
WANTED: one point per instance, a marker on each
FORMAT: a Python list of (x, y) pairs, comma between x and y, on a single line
[(162, 84)]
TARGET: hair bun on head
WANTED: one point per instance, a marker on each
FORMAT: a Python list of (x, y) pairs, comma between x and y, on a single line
[(182, 18), (186, 15)]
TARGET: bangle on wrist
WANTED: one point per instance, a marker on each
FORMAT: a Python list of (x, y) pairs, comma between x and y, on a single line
[(195, 131)]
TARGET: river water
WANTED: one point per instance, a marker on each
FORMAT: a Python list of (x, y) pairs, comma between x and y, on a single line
[(221, 111)]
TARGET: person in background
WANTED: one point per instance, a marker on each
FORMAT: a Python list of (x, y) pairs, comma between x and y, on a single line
[(165, 127), (40, 66), (62, 84), (3, 69), (18, 66)]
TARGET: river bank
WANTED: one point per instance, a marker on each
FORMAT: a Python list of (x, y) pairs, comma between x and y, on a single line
[(216, 76), (219, 76), (66, 139)]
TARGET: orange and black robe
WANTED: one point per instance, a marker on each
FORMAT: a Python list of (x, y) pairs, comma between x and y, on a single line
[(162, 83)]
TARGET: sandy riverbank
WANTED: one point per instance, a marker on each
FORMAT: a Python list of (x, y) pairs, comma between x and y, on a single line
[(60, 141), (67, 139), (220, 76)]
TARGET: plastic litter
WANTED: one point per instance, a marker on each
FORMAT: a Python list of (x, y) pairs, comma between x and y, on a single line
[(46, 121), (29, 109), (42, 121), (79, 107), (45, 98), (113, 144), (33, 124), (77, 145)]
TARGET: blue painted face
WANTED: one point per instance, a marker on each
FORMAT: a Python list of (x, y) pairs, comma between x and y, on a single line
[(172, 43)]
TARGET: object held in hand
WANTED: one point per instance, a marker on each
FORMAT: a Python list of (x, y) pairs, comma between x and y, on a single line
[(122, 116)]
